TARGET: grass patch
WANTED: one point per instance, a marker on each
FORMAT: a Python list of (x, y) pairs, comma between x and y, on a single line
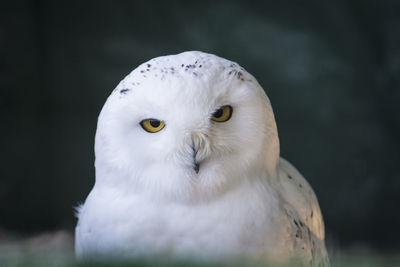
[(68, 261)]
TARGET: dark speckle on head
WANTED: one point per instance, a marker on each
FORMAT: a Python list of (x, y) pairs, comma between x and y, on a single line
[(124, 91), (194, 73), (182, 65), (142, 71), (290, 177), (147, 69), (300, 185), (200, 66), (148, 65)]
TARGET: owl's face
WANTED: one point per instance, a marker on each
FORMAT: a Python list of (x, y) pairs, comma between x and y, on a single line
[(187, 124)]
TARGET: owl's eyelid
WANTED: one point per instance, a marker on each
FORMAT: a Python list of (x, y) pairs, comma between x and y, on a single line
[(151, 118), (220, 107)]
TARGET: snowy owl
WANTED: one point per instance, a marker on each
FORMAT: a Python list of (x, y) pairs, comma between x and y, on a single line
[(188, 166)]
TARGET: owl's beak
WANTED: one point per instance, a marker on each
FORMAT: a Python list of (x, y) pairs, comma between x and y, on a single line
[(201, 148), (196, 165)]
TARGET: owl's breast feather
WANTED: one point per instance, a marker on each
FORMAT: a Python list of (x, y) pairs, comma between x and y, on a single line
[(244, 222)]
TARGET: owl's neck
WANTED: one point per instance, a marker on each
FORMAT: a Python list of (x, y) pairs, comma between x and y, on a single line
[(176, 185)]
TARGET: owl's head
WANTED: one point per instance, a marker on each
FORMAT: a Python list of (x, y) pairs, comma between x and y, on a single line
[(186, 125)]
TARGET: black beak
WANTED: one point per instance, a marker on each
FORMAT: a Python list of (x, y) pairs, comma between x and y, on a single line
[(196, 165)]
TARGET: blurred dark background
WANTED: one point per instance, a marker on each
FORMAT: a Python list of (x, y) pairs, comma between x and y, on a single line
[(330, 68)]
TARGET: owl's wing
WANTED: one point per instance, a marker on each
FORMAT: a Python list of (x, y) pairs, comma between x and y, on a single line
[(305, 231)]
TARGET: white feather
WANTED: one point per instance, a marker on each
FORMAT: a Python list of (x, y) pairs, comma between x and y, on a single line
[(148, 200)]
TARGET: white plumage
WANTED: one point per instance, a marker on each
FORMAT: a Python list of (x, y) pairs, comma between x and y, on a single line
[(198, 187)]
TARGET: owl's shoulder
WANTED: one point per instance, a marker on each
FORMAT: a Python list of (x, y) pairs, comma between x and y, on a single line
[(302, 213), (297, 192)]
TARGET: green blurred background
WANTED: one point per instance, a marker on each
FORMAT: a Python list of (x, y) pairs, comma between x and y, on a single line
[(330, 68)]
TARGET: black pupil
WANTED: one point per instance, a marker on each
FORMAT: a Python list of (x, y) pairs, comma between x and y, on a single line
[(218, 113), (155, 123)]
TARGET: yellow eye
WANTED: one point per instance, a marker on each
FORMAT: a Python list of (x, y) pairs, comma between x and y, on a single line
[(152, 125), (222, 114)]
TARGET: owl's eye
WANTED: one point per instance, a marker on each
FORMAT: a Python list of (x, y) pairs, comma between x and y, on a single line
[(152, 125), (222, 114)]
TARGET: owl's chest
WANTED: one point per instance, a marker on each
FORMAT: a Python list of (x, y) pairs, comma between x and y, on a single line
[(239, 222)]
